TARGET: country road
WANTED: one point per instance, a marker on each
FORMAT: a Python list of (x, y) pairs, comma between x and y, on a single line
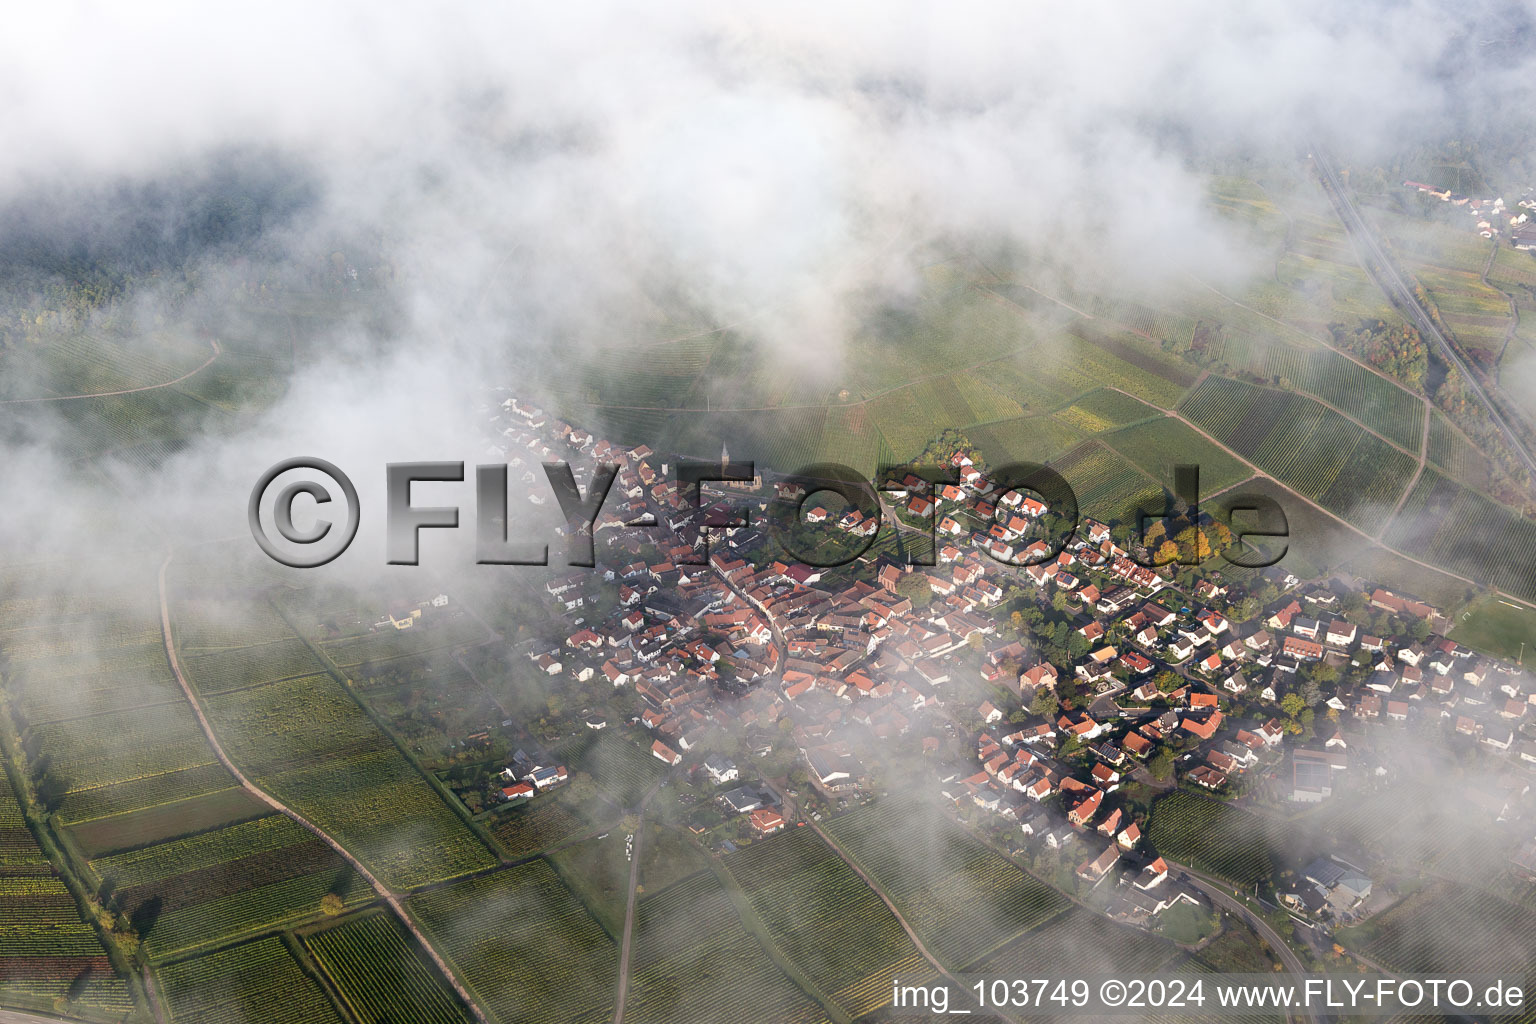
[(1226, 901), (629, 906), (384, 893), (126, 391), (1385, 271)]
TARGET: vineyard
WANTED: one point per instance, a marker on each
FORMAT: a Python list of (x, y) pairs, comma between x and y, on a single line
[(621, 768), (257, 981), (962, 899), (1468, 534), (48, 953), (1231, 844), (216, 672), (381, 976), (1023, 439), (216, 885), (306, 741), (526, 830), (825, 919), (1381, 405), (693, 961), (1075, 943), (1104, 409), (1108, 487), (523, 946), (165, 822), (1303, 444), (1156, 446), (1449, 927)]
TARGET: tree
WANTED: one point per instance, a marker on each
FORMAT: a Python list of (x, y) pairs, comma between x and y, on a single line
[(1161, 765), (1167, 681), (1292, 704), (1420, 629), (914, 587), (1045, 702)]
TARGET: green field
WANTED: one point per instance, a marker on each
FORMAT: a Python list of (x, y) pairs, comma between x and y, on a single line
[(694, 961), (1498, 627), (1156, 446), (49, 956), (1449, 927), (257, 981), (1467, 533), (381, 975), (1212, 837), (1306, 446), (962, 899), (523, 945), (826, 920), (168, 821), (233, 881)]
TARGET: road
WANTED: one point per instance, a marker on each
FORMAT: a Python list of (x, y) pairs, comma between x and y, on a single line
[(1402, 296), (126, 391), (1224, 899), (629, 906), (390, 898)]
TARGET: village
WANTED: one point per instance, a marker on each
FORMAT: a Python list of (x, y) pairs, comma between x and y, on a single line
[(1034, 701)]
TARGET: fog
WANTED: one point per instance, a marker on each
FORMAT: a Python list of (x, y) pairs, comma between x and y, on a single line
[(512, 194)]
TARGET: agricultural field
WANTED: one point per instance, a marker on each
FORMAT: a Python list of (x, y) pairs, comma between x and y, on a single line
[(381, 975), (1210, 836), (1305, 445), (119, 832), (257, 875), (1105, 409), (1477, 316), (1455, 454), (257, 981), (1108, 486), (826, 920), (693, 961), (963, 900), (1467, 533), (1078, 942), (532, 829), (623, 770), (597, 871), (1156, 446), (1448, 927), (1383, 406), (1498, 627), (522, 944), (1023, 439), (49, 956), (308, 743)]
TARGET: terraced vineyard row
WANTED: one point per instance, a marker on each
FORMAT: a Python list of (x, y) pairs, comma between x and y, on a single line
[(1108, 487), (1449, 927), (523, 945), (229, 881), (1468, 534), (257, 981), (1224, 841), (1305, 446), (382, 977), (693, 960), (962, 899), (825, 919), (1338, 380), (49, 956)]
